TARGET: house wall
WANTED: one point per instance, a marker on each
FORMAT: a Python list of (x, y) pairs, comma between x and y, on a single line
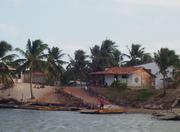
[(130, 80), (145, 79), (139, 79), (35, 79), (108, 79), (135, 81), (155, 70), (19, 78)]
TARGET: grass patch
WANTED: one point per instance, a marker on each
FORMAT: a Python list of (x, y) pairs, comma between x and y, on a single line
[(144, 94), (119, 85)]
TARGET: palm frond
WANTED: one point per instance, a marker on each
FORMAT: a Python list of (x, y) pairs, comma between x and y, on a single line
[(21, 52)]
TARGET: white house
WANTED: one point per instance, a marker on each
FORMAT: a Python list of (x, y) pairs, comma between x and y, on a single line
[(135, 77), (153, 67)]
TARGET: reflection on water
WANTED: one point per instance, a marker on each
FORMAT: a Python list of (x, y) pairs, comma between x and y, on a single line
[(44, 121)]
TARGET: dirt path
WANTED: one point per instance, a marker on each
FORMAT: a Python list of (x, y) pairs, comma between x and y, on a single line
[(82, 94)]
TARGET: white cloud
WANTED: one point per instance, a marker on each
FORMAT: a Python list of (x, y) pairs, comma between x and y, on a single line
[(9, 30), (162, 3)]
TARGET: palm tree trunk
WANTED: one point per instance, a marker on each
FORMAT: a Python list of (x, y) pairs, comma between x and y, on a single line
[(164, 85), (32, 96)]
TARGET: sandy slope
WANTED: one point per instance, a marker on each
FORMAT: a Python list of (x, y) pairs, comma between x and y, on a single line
[(21, 91)]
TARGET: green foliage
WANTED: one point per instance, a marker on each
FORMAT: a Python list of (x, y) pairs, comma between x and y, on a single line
[(164, 59), (4, 47), (78, 66), (54, 65), (106, 55), (177, 77), (137, 55), (119, 85), (67, 76), (144, 94), (5, 63), (33, 58)]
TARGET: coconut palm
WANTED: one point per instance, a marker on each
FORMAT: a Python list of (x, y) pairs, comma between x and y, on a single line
[(55, 63), (107, 55), (146, 58), (79, 65), (137, 55), (164, 59), (33, 55), (108, 48), (5, 62), (95, 58), (117, 57)]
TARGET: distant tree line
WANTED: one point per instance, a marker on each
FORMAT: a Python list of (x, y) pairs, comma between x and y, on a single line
[(38, 56)]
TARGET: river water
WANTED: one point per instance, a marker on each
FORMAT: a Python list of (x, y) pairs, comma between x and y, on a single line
[(58, 121)]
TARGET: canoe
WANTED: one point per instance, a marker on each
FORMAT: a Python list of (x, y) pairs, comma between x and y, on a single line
[(167, 116), (103, 111), (175, 118)]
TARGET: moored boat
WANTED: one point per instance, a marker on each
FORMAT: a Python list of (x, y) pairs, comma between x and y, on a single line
[(167, 116), (103, 111)]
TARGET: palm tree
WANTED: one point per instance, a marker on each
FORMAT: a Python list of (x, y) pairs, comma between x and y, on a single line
[(55, 64), (146, 58), (79, 65), (32, 57), (95, 58), (5, 62), (107, 55), (137, 55), (164, 59), (117, 57)]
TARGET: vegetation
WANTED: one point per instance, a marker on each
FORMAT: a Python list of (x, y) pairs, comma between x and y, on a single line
[(78, 66), (33, 57), (144, 94), (106, 55), (164, 59), (119, 85), (50, 60), (6, 75), (134, 98), (54, 67), (137, 55)]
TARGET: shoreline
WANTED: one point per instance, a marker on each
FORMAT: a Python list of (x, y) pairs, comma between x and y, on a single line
[(129, 110)]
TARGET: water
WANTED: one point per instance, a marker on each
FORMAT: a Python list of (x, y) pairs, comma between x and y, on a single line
[(45, 121)]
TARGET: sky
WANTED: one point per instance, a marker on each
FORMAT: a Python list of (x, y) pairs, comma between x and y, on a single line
[(80, 24)]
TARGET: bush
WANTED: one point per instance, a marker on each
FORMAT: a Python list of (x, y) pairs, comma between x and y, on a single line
[(144, 94), (119, 85)]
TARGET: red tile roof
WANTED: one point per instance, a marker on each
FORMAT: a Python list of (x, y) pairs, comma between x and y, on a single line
[(119, 71)]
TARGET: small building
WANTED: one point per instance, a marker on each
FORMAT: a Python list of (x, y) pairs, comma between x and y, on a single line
[(38, 77), (135, 77), (16, 76), (154, 69)]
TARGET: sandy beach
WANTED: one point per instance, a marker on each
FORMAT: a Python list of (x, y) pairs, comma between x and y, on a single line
[(21, 92)]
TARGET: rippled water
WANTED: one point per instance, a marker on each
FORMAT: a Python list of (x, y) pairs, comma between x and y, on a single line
[(44, 121)]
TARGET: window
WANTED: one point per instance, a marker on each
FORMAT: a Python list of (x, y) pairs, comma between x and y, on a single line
[(124, 76), (115, 77), (136, 79)]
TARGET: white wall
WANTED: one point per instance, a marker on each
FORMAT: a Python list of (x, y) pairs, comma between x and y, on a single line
[(155, 70), (130, 81), (109, 79)]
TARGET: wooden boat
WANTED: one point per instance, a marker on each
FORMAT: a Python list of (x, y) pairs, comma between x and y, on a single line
[(103, 111), (167, 116)]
